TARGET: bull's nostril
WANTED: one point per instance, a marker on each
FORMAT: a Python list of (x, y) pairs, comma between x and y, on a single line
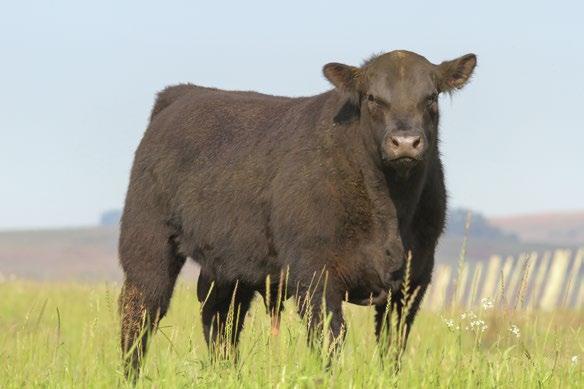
[(416, 142), (395, 141)]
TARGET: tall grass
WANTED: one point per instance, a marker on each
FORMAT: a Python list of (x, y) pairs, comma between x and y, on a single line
[(67, 335)]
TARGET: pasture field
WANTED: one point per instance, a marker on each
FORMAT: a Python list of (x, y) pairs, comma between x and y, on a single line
[(66, 335)]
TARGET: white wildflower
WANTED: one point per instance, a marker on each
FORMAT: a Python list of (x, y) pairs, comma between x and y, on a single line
[(487, 303), (450, 324), (478, 325), (574, 359), (515, 330)]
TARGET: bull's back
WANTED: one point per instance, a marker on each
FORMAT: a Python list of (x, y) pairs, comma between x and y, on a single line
[(212, 130), (210, 157), (218, 125), (185, 99)]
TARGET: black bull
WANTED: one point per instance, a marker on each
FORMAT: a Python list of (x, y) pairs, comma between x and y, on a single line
[(251, 186)]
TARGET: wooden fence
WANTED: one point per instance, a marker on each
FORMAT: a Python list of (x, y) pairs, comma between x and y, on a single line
[(530, 281)]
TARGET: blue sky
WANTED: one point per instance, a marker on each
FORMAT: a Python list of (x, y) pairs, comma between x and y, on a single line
[(78, 80)]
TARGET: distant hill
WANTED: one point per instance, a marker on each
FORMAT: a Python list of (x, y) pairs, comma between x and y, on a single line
[(480, 227), (111, 217), (77, 254), (81, 254), (560, 228)]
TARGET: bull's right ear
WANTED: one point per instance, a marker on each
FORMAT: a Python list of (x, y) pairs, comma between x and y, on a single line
[(343, 77)]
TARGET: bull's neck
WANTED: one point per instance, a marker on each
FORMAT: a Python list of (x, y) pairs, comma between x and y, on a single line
[(404, 191)]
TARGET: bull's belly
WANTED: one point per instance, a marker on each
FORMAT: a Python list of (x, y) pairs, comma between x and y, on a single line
[(373, 294), (374, 298)]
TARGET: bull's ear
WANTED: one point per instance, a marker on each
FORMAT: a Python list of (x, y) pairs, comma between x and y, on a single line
[(456, 73), (343, 77)]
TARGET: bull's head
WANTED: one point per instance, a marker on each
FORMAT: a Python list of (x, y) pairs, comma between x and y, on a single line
[(395, 98)]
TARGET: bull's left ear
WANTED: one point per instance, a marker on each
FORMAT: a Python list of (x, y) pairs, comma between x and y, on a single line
[(456, 73)]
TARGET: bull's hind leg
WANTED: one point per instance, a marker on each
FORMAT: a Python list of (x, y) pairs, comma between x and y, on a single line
[(274, 295), (224, 308), (151, 265)]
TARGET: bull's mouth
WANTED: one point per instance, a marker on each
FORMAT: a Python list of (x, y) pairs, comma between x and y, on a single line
[(403, 166), (404, 160), (403, 163)]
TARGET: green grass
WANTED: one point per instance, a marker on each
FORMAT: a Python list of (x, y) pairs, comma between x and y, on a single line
[(67, 335)]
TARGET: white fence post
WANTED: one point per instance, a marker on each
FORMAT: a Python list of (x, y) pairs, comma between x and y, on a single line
[(538, 282), (491, 277), (555, 280), (440, 288), (474, 286), (573, 278)]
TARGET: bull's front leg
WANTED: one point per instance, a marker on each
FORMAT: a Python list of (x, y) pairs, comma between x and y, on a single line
[(320, 306), (394, 320), (398, 315)]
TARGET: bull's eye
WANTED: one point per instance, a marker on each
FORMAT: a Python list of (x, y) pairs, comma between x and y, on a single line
[(377, 101)]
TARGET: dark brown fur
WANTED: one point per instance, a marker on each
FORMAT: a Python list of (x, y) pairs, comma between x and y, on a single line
[(251, 185)]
